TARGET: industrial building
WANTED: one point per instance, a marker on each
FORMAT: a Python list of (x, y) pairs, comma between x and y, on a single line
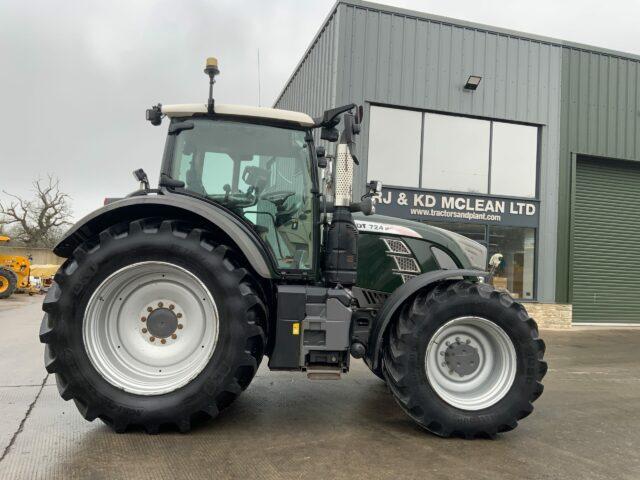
[(528, 144)]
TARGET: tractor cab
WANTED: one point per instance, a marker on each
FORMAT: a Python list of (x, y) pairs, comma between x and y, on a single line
[(257, 163)]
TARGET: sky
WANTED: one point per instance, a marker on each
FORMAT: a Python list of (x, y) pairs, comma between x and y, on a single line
[(77, 75)]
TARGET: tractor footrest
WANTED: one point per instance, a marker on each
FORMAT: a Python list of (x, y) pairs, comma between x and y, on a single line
[(319, 373)]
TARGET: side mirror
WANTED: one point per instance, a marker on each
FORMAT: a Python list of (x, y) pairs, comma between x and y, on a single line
[(154, 115), (359, 114), (329, 133)]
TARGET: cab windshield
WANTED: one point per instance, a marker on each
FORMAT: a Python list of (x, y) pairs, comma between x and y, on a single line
[(261, 173)]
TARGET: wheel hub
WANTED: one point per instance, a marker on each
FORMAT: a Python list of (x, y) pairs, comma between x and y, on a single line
[(162, 323), (462, 357), (470, 362)]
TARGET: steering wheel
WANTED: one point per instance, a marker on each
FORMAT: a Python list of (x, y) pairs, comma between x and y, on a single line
[(277, 197)]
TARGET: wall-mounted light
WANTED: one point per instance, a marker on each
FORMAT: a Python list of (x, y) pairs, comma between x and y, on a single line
[(472, 82)]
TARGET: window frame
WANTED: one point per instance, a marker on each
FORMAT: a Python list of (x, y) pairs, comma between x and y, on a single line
[(491, 120), (167, 168)]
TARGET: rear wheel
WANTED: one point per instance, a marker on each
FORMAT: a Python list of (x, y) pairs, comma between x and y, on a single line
[(153, 324), (465, 360), (8, 283)]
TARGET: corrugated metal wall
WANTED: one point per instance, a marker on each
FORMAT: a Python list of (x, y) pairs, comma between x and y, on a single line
[(600, 116)]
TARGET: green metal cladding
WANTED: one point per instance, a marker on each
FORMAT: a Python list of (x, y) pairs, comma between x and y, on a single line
[(600, 116)]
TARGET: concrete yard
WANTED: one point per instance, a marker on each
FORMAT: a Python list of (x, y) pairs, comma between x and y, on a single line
[(585, 426)]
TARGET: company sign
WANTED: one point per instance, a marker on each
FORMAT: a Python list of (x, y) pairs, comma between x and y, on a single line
[(415, 204)]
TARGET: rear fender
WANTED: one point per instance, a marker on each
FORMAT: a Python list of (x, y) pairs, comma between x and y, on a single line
[(176, 206), (398, 298)]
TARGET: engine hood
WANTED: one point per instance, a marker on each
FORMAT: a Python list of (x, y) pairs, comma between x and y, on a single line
[(470, 253)]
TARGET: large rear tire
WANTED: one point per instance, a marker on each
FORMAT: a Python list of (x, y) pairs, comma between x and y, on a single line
[(8, 283), (464, 359), (153, 324)]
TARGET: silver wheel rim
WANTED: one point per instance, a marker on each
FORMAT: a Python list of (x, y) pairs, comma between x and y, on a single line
[(150, 328), (470, 363)]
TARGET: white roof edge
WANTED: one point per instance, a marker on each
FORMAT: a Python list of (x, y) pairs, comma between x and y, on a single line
[(188, 109)]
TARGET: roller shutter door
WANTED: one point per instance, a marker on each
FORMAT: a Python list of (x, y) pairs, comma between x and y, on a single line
[(606, 242)]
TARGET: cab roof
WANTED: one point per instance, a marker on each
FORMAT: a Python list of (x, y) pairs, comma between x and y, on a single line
[(189, 109)]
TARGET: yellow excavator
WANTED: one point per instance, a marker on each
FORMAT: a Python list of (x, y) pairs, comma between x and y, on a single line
[(14, 272)]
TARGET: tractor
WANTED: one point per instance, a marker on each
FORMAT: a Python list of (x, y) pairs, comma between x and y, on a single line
[(14, 272), (253, 246)]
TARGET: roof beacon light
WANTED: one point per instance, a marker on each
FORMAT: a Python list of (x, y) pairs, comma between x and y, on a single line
[(212, 70), (472, 82)]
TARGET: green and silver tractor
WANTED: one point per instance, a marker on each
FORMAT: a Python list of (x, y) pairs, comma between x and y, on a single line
[(252, 246)]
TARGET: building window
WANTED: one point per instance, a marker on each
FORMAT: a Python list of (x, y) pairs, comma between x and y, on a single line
[(456, 153), (394, 146), (517, 246), (459, 154), (514, 148)]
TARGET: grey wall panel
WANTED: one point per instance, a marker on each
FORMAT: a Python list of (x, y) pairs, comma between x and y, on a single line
[(600, 116), (421, 63)]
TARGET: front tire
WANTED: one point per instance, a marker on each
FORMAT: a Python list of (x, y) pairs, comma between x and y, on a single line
[(153, 324), (464, 359), (8, 283)]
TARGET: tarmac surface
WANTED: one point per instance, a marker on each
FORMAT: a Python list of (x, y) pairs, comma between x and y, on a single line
[(586, 425)]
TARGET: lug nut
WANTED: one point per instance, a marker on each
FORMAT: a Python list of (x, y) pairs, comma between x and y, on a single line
[(160, 304), (180, 326), (172, 306), (149, 309), (179, 315), (174, 336), (144, 330), (152, 339), (163, 341), (143, 319)]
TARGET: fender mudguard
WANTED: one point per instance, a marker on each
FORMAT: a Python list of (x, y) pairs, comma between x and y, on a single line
[(397, 299), (176, 206)]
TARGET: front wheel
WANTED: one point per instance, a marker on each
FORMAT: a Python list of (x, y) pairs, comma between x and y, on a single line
[(153, 324), (464, 359), (8, 283)]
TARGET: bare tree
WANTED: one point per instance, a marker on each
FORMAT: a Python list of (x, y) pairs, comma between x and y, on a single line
[(38, 222)]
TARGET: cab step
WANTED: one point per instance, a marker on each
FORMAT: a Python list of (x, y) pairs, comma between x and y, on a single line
[(324, 373)]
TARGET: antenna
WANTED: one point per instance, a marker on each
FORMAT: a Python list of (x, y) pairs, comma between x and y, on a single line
[(259, 99), (211, 69)]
